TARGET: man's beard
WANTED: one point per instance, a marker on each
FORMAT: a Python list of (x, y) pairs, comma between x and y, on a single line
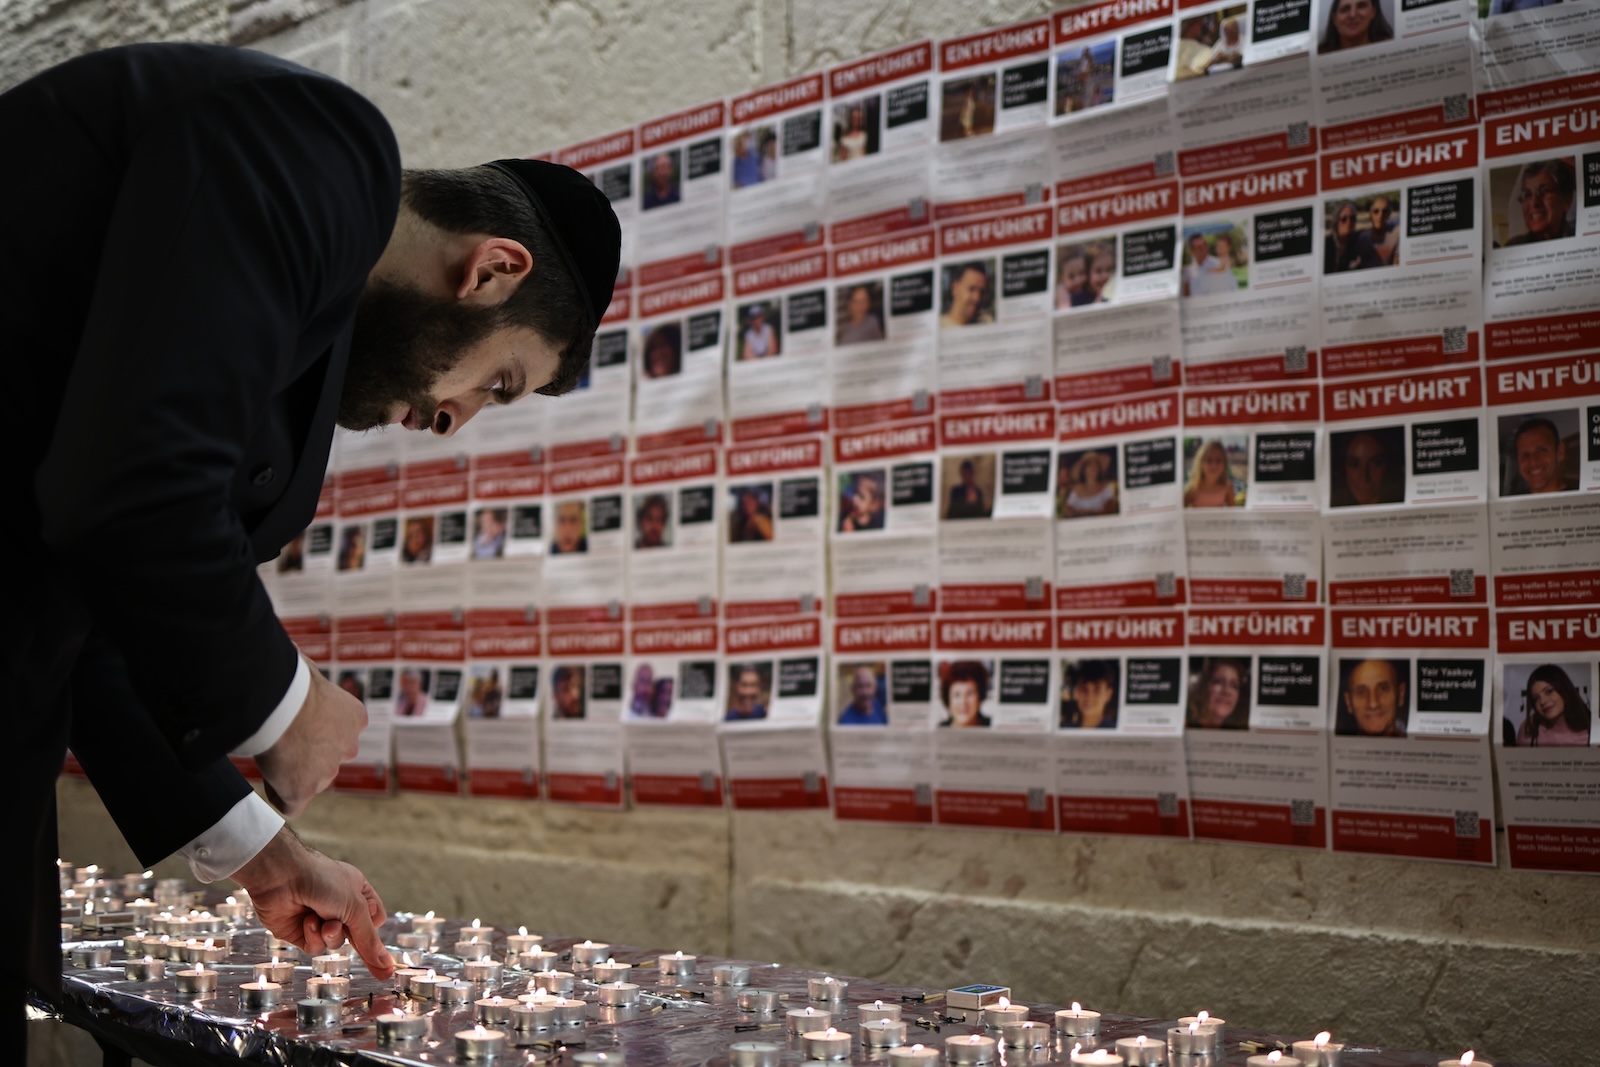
[(403, 342)]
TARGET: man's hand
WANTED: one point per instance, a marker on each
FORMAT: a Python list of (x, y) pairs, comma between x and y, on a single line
[(305, 760), (314, 901)]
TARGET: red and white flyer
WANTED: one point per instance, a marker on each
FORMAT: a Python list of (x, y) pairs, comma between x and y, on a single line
[(300, 580), (683, 189), (773, 556), (588, 539), (678, 391), (1541, 274), (1402, 281), (506, 535), (427, 701), (1537, 56), (994, 93), (593, 419), (1549, 763), (1256, 733), (501, 704), (883, 527), (1120, 765), (882, 131), (1116, 246), (1110, 54), (364, 653), (1119, 528), (1218, 37), (776, 770), (1256, 118), (608, 161), (1404, 555), (1417, 75), (1544, 518), (880, 724), (995, 766), (672, 556), (584, 755), (673, 696), (773, 673), (1250, 275), (366, 540), (777, 160), (1410, 750), (778, 374), (435, 532), (1252, 489), (994, 310), (995, 522), (1105, 353), (883, 359)]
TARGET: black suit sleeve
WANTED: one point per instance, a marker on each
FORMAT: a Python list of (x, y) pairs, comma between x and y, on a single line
[(245, 213), (158, 804)]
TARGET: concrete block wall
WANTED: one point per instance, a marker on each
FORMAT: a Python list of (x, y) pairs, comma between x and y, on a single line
[(1383, 952)]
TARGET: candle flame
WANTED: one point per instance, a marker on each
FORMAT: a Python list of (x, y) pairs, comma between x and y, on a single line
[(831, 1031), (148, 958), (522, 931), (678, 954), (916, 1048), (1141, 1041), (478, 1029), (430, 973), (147, 874), (232, 901), (1274, 1056), (1322, 1039), (208, 943), (1076, 1006), (274, 959), (199, 969), (1466, 1058), (1194, 1028), (475, 923), (1203, 1016), (1003, 1003), (810, 1010), (877, 1003), (88, 907), (92, 868), (497, 1000), (428, 916)]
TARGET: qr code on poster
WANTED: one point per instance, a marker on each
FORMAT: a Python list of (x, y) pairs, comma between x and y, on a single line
[(1463, 582), (1294, 587), (1299, 134), (1161, 369), (1167, 805), (1166, 584), (1294, 360), (1163, 164), (811, 782), (1455, 339), (1035, 799), (922, 794), (1302, 813), (1466, 824), (1456, 109)]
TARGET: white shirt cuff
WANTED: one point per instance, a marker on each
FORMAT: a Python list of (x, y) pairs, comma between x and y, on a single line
[(282, 715), (234, 840)]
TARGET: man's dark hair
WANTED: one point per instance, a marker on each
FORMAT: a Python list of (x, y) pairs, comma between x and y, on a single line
[(1557, 170), (1538, 422), (484, 200)]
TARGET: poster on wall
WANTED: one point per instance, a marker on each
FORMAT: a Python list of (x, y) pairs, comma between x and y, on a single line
[(774, 531), (780, 343), (777, 156), (501, 700), (880, 723), (683, 191), (883, 366), (883, 532), (883, 123), (584, 753)]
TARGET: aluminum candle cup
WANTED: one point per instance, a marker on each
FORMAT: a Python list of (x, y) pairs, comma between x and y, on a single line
[(732, 974), (972, 1049), (554, 981), (196, 983), (482, 972), (878, 1011), (883, 1033), (133, 944), (413, 942), (612, 1058), (804, 1020), (397, 1026), (1201, 1042), (476, 930), (89, 956), (68, 931), (147, 969), (569, 1012), (480, 1044), (1026, 1034), (826, 988), (427, 924), (1075, 1022), (758, 1000), (590, 953), (516, 944), (495, 1011), (676, 965), (753, 1054), (997, 1015), (328, 986), (1211, 1023), (612, 971), (1268, 1061), (193, 951), (232, 909), (538, 961), (451, 993), (333, 963), (1098, 1058), (1314, 1055), (422, 986), (826, 1045), (618, 993), (259, 994), (1141, 1051), (914, 1056), (278, 971), (526, 1016), (316, 1014), (473, 950)]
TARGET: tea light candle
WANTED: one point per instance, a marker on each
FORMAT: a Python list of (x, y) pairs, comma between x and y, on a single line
[(233, 909), (328, 986), (494, 1011), (827, 1044), (478, 930), (883, 1033), (1273, 1059), (618, 993), (590, 953), (731, 974), (555, 981), (143, 910), (133, 944), (398, 1026), (473, 949), (1098, 1058), (1026, 1034), (90, 956), (971, 1049), (826, 988), (68, 932), (1192, 1040), (482, 972), (148, 969), (197, 982), (429, 924), (538, 961), (155, 946), (913, 1056), (259, 994), (333, 963), (1207, 1021), (480, 1044), (804, 1020), (676, 965), (413, 942), (612, 971), (422, 986), (1002, 1012), (522, 941), (1468, 1059), (1076, 1022), (203, 922), (452, 993), (532, 1015), (1320, 1051), (760, 1000), (569, 1012), (754, 1054), (1141, 1051), (611, 1058), (878, 1011), (197, 951), (274, 970)]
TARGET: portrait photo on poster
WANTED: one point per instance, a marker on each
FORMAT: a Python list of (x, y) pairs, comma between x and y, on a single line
[(1374, 697), (1211, 43), (652, 520), (1368, 467), (572, 528), (1086, 77), (1086, 272), (862, 503), (965, 686), (967, 107), (663, 178), (971, 479), (1533, 202), (651, 693), (490, 527), (1354, 23), (1540, 452), (1547, 704), (663, 350), (1090, 692), (1219, 693), (750, 512), (1086, 483), (966, 293), (855, 128), (417, 544), (749, 690), (858, 313), (1361, 233), (1215, 258), (864, 692), (1218, 471), (569, 697), (760, 325)]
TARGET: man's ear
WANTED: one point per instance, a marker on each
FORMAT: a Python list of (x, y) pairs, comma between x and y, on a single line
[(492, 270)]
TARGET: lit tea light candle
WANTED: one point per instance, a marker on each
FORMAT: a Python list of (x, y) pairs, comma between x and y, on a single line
[(590, 953), (1273, 1059), (89, 957), (331, 964), (677, 965), (259, 994), (143, 910), (452, 992), (883, 1033), (1003, 1011), (148, 969), (826, 988), (274, 970), (1320, 1051), (913, 1056), (878, 1011), (495, 1011), (827, 1044), (754, 1054), (532, 1015), (482, 972), (429, 924), (480, 1043), (612, 971), (196, 951), (1026, 1034), (399, 1026), (232, 908), (422, 985), (971, 1049), (1141, 1051), (609, 1058), (1076, 1022), (197, 982), (522, 941), (758, 1000), (732, 974), (1193, 1039), (555, 981), (1098, 1058), (1467, 1059), (68, 932), (803, 1020), (569, 1012), (203, 922), (617, 994), (478, 930), (538, 961), (473, 949), (328, 986)]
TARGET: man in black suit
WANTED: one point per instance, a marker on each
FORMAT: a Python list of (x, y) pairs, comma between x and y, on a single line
[(209, 257)]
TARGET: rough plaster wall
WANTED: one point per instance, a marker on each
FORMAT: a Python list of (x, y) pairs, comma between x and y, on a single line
[(35, 34)]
